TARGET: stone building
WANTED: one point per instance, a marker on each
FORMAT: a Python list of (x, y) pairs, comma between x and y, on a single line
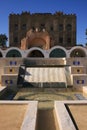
[(43, 30)]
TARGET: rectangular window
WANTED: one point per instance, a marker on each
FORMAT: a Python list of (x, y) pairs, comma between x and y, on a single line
[(60, 39), (42, 26), (24, 26), (68, 40), (51, 28), (60, 27), (16, 26), (16, 40)]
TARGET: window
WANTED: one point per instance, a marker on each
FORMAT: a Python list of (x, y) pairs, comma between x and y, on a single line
[(60, 40), (68, 40), (60, 27), (51, 28), (16, 39), (69, 27), (42, 26), (16, 26), (24, 26), (33, 28)]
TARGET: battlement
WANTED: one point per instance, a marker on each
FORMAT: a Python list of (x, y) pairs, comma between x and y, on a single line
[(58, 13)]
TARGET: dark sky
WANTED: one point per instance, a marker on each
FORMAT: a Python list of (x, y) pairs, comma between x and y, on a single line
[(78, 7)]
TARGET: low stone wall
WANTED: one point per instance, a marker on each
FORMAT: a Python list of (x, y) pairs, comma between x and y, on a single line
[(71, 119)]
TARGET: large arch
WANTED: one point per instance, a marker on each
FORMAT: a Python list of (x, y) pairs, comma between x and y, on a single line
[(36, 38), (77, 51), (58, 52), (35, 52), (37, 42), (13, 52)]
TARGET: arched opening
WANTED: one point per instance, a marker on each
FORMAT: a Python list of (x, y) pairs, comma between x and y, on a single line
[(35, 53), (58, 53), (13, 53), (78, 53), (1, 54), (37, 42)]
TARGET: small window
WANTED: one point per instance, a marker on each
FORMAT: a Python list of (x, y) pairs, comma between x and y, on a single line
[(24, 26), (69, 27), (42, 26), (51, 28), (33, 28), (68, 40), (60, 27), (16, 26), (16, 39), (60, 40)]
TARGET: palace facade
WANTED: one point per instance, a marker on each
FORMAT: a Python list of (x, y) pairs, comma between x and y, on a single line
[(43, 30)]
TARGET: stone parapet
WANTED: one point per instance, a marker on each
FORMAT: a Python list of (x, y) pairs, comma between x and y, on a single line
[(63, 118)]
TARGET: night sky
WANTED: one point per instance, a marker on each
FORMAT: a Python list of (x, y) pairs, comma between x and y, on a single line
[(78, 7)]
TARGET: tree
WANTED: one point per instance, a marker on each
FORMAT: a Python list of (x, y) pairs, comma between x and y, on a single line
[(86, 35), (80, 45), (86, 32), (3, 40)]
